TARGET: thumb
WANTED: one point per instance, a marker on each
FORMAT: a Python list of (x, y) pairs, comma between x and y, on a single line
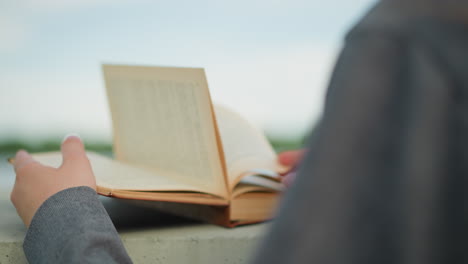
[(73, 150)]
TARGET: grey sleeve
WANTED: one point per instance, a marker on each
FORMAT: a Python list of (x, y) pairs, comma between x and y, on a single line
[(72, 226)]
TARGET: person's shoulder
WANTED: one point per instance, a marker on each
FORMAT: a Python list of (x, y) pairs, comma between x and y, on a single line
[(402, 19)]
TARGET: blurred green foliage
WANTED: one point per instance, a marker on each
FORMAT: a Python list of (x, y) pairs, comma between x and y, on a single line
[(48, 145), (282, 144), (54, 145)]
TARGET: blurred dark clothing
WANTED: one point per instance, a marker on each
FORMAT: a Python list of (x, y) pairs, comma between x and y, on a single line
[(385, 179)]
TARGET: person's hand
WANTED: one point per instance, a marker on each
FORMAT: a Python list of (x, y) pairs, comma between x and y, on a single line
[(35, 183), (290, 159)]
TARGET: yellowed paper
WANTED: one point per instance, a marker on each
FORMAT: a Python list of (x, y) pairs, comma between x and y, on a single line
[(245, 147), (112, 174), (162, 120)]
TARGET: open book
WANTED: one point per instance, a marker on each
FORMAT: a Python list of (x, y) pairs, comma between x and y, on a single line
[(175, 151)]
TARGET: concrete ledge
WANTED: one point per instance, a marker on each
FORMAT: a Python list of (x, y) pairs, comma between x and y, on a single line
[(150, 236)]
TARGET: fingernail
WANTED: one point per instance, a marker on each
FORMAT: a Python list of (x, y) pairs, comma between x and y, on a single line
[(71, 135), (22, 158), (21, 153)]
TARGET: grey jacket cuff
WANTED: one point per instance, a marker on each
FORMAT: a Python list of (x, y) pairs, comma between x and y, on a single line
[(72, 226)]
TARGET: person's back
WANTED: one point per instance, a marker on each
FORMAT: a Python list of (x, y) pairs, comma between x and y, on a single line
[(385, 178)]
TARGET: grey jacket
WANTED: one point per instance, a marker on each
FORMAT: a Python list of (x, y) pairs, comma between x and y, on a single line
[(72, 226), (385, 177)]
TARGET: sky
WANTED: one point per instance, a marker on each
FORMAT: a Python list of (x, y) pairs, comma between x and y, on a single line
[(269, 60)]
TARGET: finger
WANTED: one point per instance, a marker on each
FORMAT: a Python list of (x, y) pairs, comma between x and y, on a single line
[(73, 150), (22, 159), (289, 179), (291, 158)]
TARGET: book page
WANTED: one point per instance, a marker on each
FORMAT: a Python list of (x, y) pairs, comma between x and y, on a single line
[(115, 175), (256, 184), (245, 147), (162, 120)]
